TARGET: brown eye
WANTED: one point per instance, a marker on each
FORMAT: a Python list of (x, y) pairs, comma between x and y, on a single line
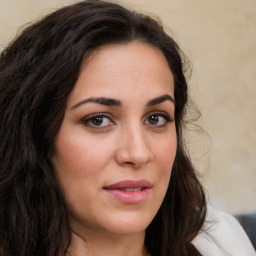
[(97, 121), (157, 120), (153, 119)]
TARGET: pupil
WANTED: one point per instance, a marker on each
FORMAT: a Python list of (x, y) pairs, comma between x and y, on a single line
[(153, 119), (97, 120)]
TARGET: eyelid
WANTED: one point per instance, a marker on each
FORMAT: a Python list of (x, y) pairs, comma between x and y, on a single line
[(164, 114), (85, 120), (97, 114)]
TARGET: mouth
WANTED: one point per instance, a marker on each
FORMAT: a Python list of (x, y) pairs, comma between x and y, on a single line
[(129, 191)]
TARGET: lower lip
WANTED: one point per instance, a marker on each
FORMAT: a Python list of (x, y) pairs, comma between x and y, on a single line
[(134, 197)]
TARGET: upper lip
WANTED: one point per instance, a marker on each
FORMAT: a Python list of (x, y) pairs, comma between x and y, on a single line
[(130, 184)]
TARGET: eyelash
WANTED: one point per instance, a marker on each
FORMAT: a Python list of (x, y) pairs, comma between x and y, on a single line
[(166, 117), (87, 121)]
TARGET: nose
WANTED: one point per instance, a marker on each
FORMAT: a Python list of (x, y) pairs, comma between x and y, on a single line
[(133, 149)]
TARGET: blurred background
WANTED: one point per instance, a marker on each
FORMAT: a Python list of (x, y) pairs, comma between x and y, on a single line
[(219, 38)]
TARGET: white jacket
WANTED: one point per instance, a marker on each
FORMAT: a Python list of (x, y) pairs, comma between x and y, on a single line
[(222, 235)]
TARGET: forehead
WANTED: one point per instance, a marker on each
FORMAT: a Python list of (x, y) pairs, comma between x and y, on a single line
[(118, 56), (124, 69)]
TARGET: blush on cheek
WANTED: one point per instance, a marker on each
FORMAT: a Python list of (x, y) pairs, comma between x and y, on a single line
[(166, 157), (78, 163)]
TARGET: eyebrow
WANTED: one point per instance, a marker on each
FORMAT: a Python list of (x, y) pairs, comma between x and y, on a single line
[(114, 102), (99, 100), (160, 99)]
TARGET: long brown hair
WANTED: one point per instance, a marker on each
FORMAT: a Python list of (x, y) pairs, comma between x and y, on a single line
[(38, 70)]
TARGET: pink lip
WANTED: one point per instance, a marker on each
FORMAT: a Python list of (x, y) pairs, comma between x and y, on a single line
[(119, 191)]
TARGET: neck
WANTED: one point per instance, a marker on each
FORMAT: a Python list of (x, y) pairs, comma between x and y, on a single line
[(104, 244)]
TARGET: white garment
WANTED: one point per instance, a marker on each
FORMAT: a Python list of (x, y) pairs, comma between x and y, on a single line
[(222, 235)]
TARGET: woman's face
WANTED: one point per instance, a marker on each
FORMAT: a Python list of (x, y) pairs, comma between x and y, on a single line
[(116, 146)]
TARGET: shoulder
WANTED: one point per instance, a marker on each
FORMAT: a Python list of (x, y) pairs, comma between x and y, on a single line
[(222, 235)]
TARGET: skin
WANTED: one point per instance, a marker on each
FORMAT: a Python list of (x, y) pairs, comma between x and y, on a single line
[(131, 140)]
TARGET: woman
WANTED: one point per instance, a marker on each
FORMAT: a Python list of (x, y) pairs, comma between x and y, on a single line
[(92, 159)]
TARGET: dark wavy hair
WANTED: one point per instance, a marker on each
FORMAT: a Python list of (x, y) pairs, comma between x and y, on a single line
[(38, 70)]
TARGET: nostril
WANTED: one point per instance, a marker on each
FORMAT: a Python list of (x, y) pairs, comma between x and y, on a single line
[(129, 163)]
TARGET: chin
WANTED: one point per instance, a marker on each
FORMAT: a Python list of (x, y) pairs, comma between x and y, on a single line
[(127, 230), (128, 225)]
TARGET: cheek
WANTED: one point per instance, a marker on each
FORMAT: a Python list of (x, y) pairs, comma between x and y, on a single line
[(79, 164), (80, 157), (165, 155)]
